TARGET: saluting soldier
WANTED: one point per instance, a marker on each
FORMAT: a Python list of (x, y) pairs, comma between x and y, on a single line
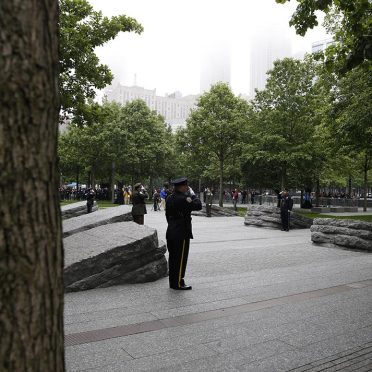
[(286, 205), (179, 206), (139, 204)]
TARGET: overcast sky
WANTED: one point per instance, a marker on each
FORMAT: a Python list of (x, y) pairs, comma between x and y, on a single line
[(167, 55)]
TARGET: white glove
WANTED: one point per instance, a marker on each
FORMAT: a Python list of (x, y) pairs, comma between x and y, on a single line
[(191, 191)]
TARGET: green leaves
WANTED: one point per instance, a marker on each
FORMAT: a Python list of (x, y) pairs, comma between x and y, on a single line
[(350, 23), (82, 30), (133, 136), (283, 126)]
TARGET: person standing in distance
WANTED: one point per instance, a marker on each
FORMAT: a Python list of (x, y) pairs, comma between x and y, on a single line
[(179, 206), (208, 202), (90, 195), (286, 205), (139, 205)]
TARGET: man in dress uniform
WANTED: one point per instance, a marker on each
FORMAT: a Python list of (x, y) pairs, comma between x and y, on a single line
[(139, 204), (208, 202), (90, 195), (286, 205), (179, 206)]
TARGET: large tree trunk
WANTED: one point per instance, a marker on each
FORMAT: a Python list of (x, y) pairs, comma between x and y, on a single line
[(221, 183), (31, 254)]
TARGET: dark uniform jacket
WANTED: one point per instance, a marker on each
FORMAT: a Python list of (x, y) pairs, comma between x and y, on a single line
[(286, 203), (139, 206), (178, 214)]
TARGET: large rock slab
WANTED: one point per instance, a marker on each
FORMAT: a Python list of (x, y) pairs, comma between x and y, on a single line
[(269, 216), (76, 209), (102, 217), (216, 211), (343, 233), (113, 254)]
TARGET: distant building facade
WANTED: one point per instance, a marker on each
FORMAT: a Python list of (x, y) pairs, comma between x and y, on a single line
[(173, 107), (321, 46), (271, 44)]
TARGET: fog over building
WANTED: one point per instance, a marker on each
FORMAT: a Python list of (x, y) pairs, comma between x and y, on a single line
[(215, 65), (173, 107), (267, 45)]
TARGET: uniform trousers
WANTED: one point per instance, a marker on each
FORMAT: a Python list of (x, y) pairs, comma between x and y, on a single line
[(208, 208), (140, 219), (178, 255), (285, 216), (90, 206)]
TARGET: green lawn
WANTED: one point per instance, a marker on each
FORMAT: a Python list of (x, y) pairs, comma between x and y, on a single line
[(367, 217), (242, 211)]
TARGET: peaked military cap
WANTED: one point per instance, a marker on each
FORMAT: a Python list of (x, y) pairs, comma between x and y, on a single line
[(137, 185), (179, 181)]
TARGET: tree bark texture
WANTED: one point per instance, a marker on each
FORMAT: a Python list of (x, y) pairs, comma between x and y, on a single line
[(31, 252)]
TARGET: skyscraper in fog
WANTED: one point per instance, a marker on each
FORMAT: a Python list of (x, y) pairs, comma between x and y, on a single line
[(215, 65), (267, 45)]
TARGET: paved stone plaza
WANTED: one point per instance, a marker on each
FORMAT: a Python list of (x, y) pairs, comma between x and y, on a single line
[(262, 300)]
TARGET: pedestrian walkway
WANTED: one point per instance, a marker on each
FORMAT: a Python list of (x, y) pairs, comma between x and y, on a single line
[(262, 300)]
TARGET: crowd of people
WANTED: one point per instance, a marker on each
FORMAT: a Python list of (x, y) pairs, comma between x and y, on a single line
[(67, 193)]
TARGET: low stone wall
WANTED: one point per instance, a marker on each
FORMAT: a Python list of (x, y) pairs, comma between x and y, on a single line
[(76, 209), (113, 254), (216, 211), (344, 233), (268, 216), (102, 217)]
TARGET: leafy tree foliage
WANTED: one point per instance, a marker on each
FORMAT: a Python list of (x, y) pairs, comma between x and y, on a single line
[(214, 129), (128, 140), (353, 35), (282, 145), (352, 118), (81, 31)]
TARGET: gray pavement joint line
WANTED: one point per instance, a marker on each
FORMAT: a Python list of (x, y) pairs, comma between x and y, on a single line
[(336, 360), (154, 325), (239, 240)]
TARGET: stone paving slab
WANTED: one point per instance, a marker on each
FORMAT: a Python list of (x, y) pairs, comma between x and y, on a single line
[(76, 209), (116, 253), (232, 265), (103, 216)]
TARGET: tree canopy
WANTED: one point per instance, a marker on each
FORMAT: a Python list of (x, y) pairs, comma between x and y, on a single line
[(352, 28), (83, 29)]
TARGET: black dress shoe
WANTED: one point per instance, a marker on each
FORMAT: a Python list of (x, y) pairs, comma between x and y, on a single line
[(182, 288)]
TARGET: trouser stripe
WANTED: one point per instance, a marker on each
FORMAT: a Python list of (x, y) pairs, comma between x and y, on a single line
[(181, 263)]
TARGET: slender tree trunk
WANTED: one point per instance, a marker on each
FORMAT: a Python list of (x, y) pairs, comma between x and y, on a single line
[(284, 176), (221, 183), (77, 178), (151, 188), (31, 253), (317, 193), (92, 178), (112, 188), (89, 179), (350, 187), (365, 171)]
